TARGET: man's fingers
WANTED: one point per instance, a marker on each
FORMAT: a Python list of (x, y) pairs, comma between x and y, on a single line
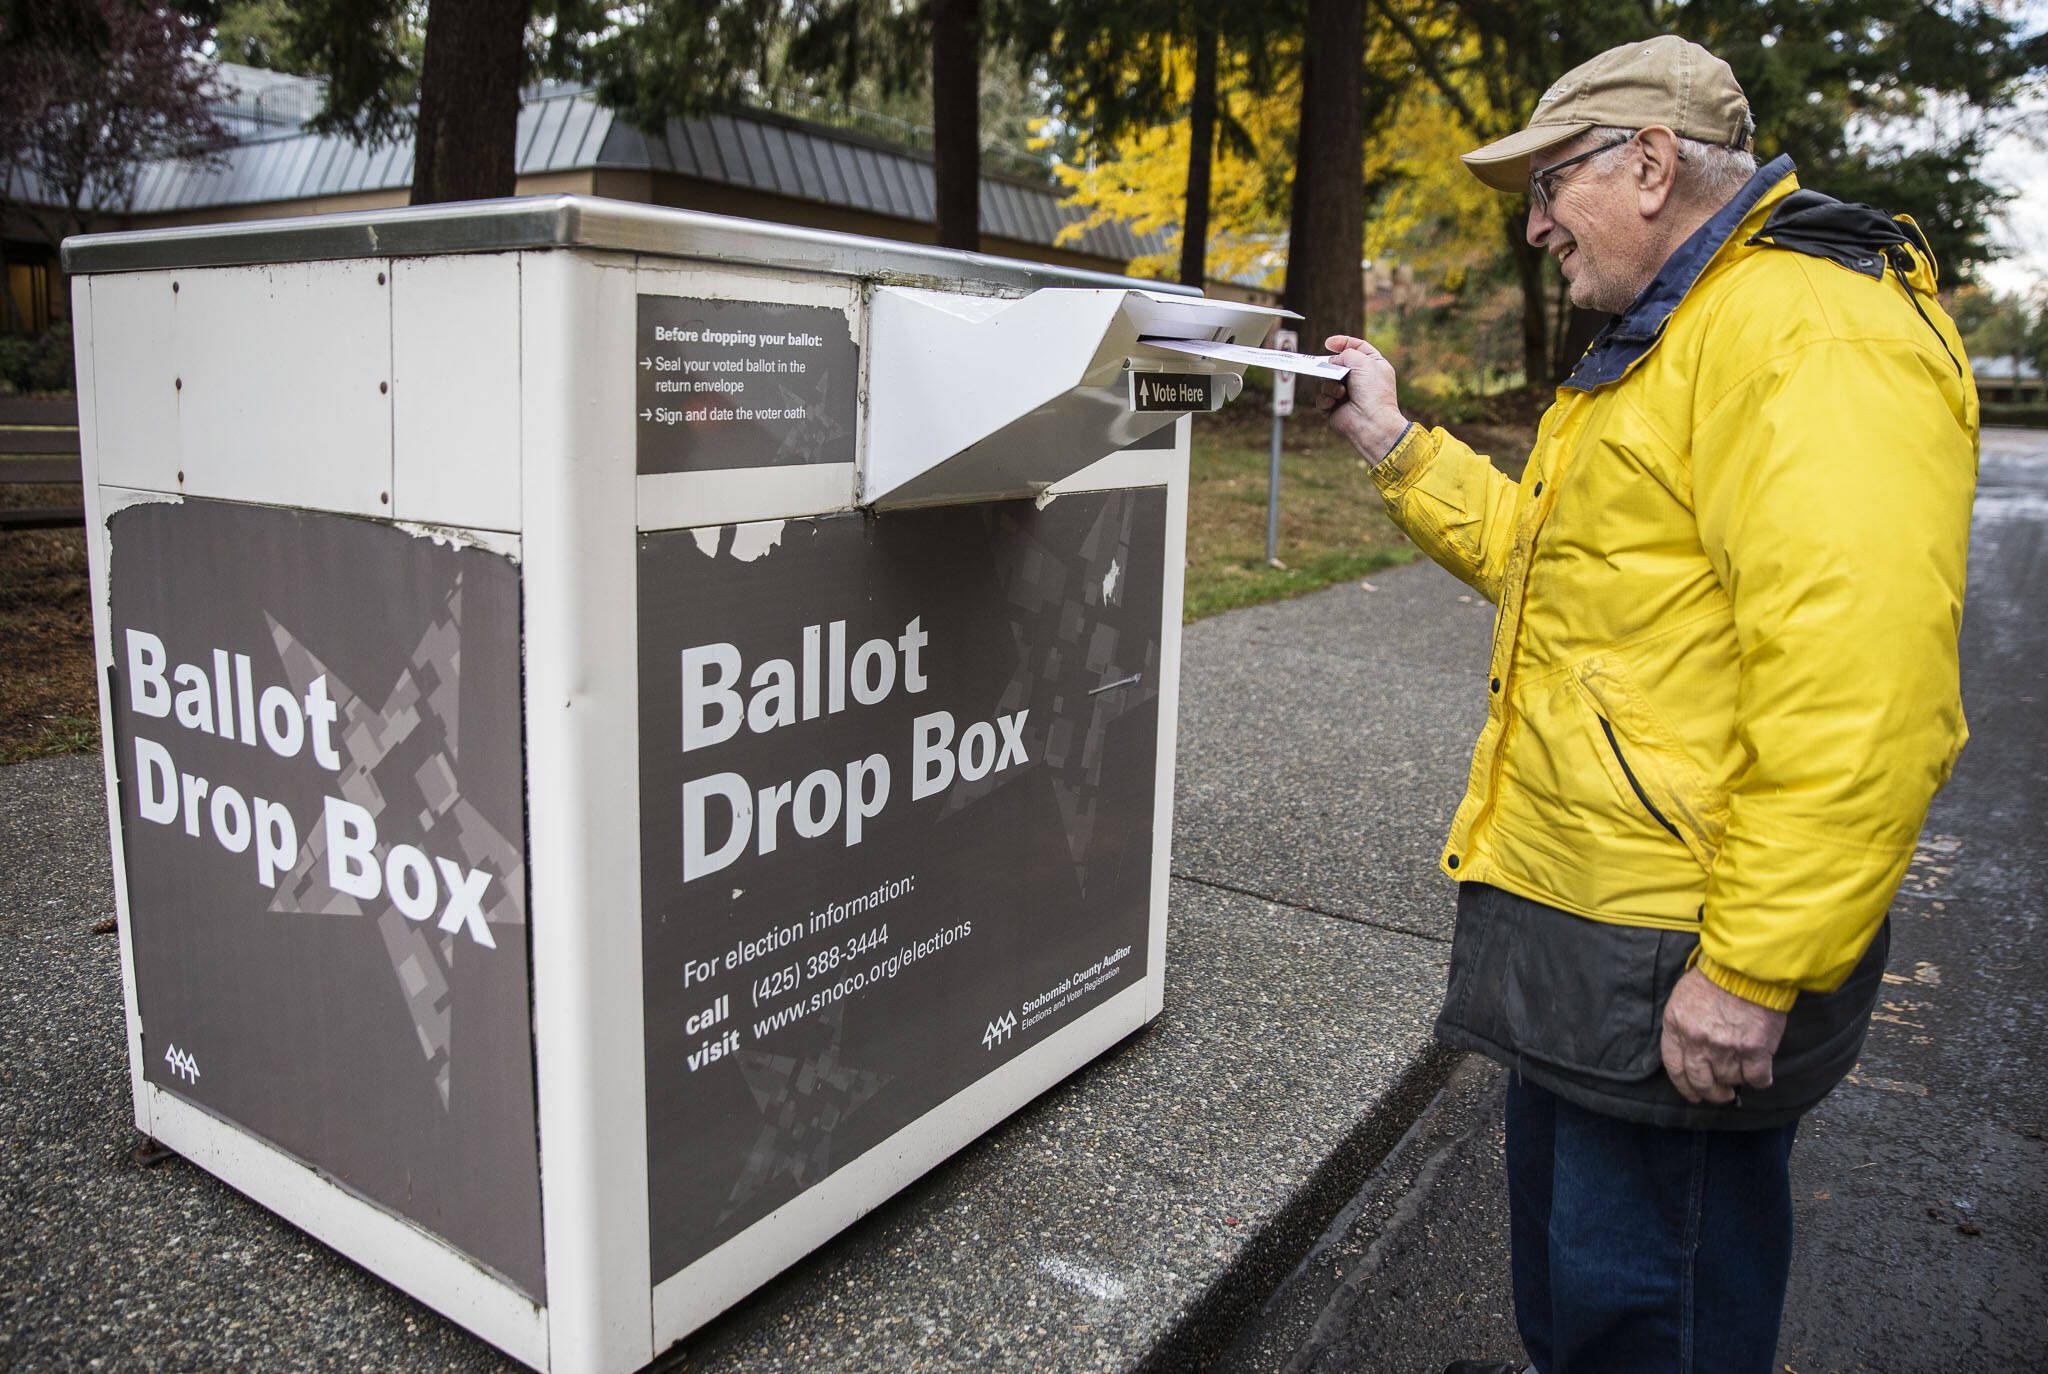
[(1689, 1070), (1337, 343), (1703, 1073), (1715, 1043), (1707, 1078), (1674, 1067)]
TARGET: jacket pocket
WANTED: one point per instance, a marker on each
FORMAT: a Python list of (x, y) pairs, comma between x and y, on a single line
[(1629, 776), (1647, 764)]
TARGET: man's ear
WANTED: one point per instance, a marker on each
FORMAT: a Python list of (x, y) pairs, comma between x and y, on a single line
[(1656, 169)]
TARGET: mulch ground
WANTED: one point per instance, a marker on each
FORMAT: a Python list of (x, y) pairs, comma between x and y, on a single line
[(47, 700)]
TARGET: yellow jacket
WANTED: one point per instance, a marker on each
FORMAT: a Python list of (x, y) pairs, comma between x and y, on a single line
[(1723, 684)]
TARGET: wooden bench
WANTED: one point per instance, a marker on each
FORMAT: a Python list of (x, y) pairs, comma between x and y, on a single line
[(39, 444)]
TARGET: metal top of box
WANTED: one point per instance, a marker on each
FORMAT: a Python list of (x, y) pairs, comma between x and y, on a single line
[(542, 222)]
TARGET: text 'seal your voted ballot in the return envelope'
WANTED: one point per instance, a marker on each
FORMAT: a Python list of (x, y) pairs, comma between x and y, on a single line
[(1278, 359)]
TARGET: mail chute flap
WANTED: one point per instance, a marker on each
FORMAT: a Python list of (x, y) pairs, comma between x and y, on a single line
[(1160, 315), (976, 397)]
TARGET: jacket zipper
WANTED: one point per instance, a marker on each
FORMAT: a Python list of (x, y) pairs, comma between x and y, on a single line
[(1500, 610), (1630, 774)]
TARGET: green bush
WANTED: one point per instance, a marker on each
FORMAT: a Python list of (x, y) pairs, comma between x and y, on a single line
[(52, 368), (42, 363), (1439, 400), (2008, 413), (17, 351)]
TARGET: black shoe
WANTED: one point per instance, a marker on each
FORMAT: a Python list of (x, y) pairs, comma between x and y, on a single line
[(1481, 1367)]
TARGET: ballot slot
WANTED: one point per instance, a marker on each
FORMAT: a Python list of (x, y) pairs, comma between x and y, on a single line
[(985, 397), (1226, 351)]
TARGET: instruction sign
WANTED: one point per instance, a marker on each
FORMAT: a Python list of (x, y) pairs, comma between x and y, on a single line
[(742, 384), (318, 746), (898, 778)]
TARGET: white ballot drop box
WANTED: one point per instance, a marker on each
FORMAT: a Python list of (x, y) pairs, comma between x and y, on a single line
[(630, 735)]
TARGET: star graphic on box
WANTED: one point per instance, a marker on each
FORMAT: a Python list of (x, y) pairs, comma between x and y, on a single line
[(400, 760)]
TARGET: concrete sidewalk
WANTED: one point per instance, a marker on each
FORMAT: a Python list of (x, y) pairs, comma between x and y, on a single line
[(1136, 1215)]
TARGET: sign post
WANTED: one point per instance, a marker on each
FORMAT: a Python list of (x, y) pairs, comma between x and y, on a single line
[(1283, 406)]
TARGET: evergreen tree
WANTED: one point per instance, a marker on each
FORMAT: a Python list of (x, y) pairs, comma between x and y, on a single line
[(1326, 231), (683, 57), (450, 72), (1116, 66)]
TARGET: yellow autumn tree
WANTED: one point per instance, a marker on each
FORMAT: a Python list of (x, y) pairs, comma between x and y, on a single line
[(1427, 212), (1424, 209), (1141, 179)]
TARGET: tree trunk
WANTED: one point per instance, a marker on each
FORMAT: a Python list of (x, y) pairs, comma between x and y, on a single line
[(13, 319), (1579, 328), (1301, 195), (1326, 238), (467, 142), (1194, 238), (956, 121), (1535, 310)]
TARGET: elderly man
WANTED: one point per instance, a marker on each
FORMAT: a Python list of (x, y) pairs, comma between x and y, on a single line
[(1722, 691)]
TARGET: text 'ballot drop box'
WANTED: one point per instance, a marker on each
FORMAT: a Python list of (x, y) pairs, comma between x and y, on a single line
[(630, 735)]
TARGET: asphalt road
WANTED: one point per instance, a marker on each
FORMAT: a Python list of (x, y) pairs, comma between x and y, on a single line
[(1921, 1185)]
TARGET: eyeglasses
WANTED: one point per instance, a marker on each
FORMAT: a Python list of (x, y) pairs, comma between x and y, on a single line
[(1542, 181)]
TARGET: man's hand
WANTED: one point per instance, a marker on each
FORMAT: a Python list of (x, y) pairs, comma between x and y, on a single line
[(1715, 1043), (1362, 407)]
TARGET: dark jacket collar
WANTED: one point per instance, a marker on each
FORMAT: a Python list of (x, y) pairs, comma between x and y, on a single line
[(1633, 333)]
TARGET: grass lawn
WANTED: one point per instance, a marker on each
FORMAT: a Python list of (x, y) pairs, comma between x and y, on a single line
[(1332, 527)]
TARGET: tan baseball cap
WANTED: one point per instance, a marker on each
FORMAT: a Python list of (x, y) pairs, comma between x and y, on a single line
[(1663, 80)]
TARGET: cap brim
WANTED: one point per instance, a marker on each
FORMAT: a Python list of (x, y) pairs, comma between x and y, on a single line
[(1504, 163)]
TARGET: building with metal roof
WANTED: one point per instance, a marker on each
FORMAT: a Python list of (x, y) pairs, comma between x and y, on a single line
[(2003, 378), (752, 163)]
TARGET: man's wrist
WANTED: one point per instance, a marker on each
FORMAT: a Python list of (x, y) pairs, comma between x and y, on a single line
[(1777, 997), (1378, 437)]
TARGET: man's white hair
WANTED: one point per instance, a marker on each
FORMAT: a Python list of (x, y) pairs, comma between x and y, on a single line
[(1707, 171)]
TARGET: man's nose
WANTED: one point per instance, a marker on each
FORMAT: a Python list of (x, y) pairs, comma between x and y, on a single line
[(1539, 226)]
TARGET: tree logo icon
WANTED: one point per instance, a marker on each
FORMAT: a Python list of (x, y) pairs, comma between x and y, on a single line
[(999, 1030), (182, 1064)]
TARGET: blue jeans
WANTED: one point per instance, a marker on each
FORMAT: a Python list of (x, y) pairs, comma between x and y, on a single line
[(1642, 1249)]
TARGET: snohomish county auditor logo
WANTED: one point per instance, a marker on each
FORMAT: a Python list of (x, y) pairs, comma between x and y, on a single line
[(182, 1064), (999, 1030)]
